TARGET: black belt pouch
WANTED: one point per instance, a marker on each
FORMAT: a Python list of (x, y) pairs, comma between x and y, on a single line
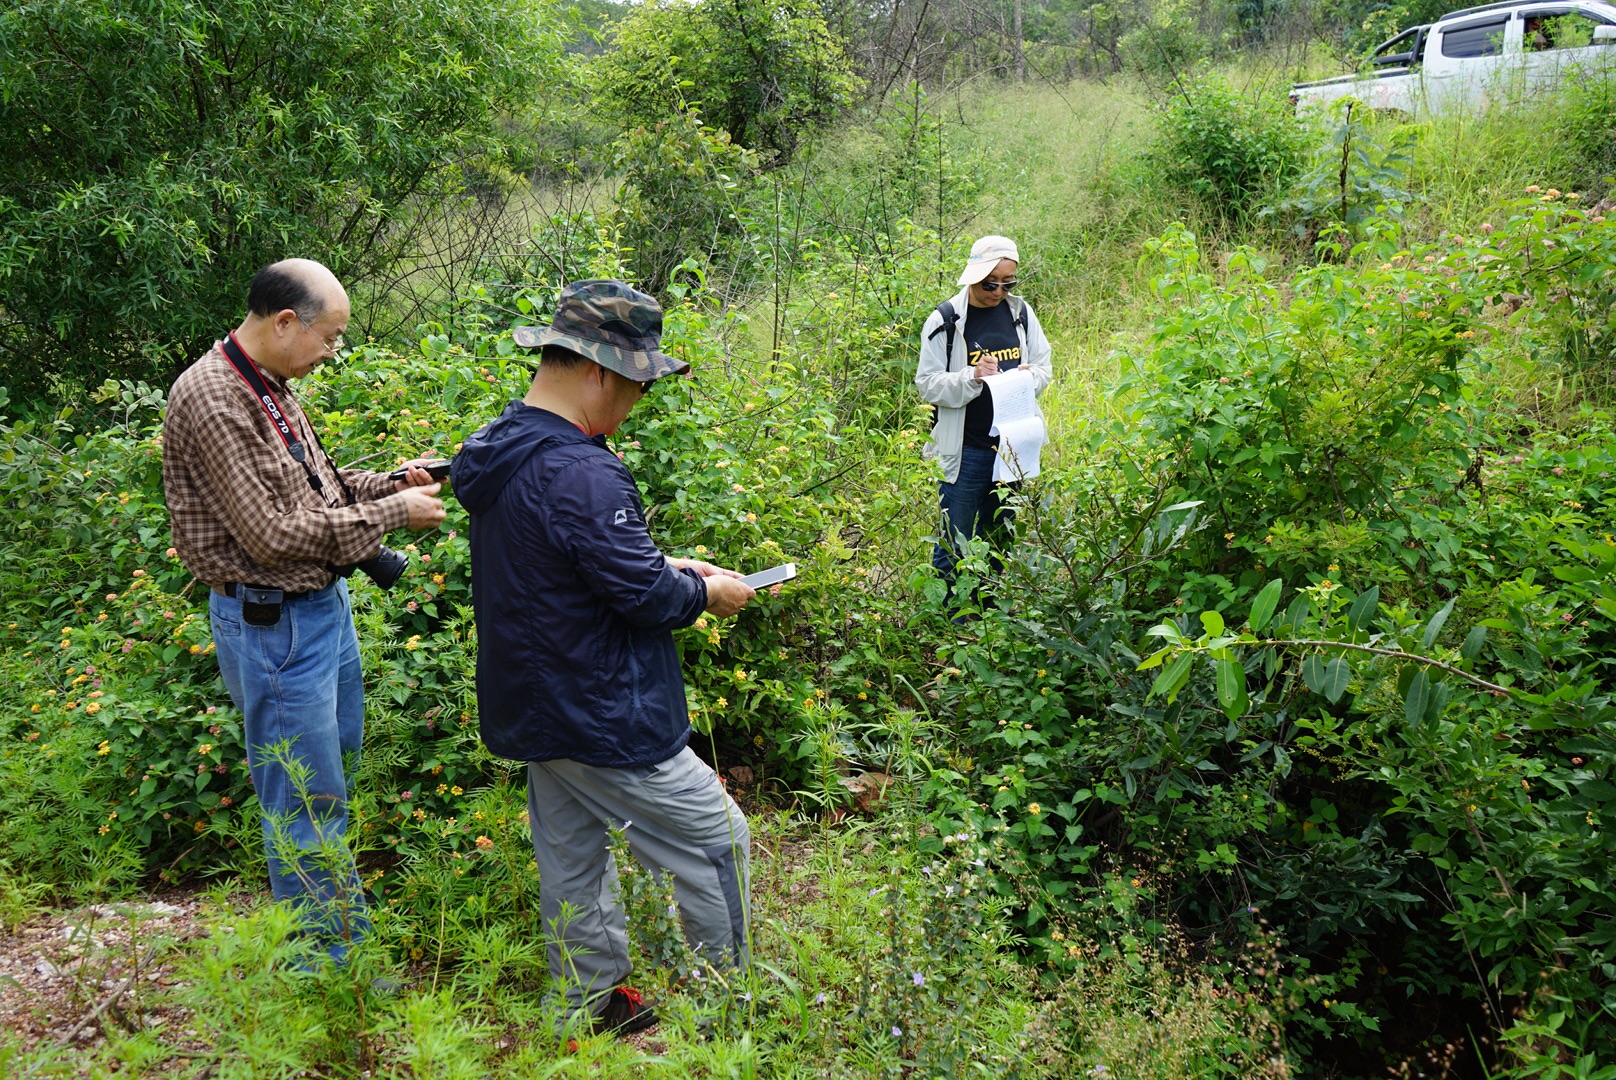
[(260, 607)]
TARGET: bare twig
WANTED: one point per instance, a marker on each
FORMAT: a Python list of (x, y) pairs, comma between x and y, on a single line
[(106, 1003)]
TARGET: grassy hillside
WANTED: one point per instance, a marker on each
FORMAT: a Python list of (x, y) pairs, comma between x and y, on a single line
[(1281, 745)]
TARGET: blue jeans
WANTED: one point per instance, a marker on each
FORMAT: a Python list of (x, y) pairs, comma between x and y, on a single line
[(301, 694), (970, 508)]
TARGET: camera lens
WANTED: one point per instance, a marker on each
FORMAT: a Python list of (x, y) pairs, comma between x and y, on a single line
[(385, 567)]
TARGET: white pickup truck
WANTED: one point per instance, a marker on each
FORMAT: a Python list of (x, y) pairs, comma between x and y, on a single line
[(1476, 56)]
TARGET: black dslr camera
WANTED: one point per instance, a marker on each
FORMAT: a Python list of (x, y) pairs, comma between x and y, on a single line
[(384, 568), (387, 565)]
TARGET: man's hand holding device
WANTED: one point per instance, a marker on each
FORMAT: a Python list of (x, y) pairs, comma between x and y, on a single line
[(420, 472), (728, 591), (772, 576)]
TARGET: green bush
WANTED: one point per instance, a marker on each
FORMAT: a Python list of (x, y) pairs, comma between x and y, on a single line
[(767, 72), (154, 155), (1165, 43), (1227, 151), (1384, 777), (1296, 421), (684, 184), (1585, 119)]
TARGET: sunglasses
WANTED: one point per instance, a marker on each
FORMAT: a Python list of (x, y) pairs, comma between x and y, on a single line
[(995, 286)]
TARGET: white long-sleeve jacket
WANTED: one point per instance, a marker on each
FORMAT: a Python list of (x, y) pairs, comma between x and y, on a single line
[(951, 385)]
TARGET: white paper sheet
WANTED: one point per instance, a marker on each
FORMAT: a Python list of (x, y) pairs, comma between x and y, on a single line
[(1018, 423)]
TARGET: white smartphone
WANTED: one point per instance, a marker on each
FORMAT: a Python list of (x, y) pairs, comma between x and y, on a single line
[(772, 576)]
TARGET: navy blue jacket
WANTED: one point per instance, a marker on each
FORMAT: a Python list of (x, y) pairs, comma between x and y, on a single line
[(575, 605)]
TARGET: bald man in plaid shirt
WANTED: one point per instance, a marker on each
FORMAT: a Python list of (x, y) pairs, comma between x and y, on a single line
[(261, 515)]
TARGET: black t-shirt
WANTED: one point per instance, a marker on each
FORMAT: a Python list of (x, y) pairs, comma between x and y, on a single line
[(988, 331)]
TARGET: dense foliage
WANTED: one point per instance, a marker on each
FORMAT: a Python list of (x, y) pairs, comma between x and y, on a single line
[(1400, 758), (767, 73), (1229, 151), (1368, 787), (153, 156), (1279, 744)]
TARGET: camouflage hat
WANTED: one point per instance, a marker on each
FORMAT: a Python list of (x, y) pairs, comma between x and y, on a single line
[(618, 327)]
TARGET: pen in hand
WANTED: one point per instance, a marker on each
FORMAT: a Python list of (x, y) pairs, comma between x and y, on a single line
[(988, 364)]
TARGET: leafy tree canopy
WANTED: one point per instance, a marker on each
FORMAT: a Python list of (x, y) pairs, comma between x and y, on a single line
[(154, 153), (763, 70)]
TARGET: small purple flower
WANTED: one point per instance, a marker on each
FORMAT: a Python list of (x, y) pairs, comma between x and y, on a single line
[(747, 996), (920, 980), (926, 870), (875, 890), (673, 909), (897, 1032), (406, 795), (819, 998)]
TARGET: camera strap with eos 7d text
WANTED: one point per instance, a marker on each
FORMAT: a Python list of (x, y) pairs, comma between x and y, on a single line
[(248, 371), (262, 606)]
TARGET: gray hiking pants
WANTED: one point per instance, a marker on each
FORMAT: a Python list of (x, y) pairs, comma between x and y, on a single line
[(678, 818)]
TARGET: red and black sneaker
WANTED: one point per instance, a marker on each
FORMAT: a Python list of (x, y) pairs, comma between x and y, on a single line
[(625, 1013)]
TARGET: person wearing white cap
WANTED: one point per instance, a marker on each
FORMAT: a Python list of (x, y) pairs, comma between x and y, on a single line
[(982, 331)]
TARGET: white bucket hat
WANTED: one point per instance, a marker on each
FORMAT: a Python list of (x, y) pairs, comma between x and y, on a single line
[(985, 255)]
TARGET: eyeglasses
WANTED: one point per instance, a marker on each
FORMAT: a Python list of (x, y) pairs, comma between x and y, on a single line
[(644, 386), (995, 286), (332, 345)]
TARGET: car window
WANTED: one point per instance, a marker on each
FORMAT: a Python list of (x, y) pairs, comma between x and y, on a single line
[(1484, 38), (1398, 45), (1545, 30)]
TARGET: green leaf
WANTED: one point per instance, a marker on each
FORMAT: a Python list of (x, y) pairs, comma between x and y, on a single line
[(1173, 676), (1598, 790), (1473, 642), (1213, 622), (1419, 689), (1154, 659), (1363, 608), (1313, 672), (1262, 609), (1297, 614), (1437, 621), (1232, 688), (1336, 674)]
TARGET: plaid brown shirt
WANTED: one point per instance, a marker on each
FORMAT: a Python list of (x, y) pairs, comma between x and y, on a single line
[(240, 508)]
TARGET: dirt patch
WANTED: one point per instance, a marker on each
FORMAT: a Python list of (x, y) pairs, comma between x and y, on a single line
[(67, 977)]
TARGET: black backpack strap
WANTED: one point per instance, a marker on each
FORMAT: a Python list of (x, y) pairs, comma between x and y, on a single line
[(946, 310), (1021, 317)]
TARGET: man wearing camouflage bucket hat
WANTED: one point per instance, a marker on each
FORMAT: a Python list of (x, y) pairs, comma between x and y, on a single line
[(577, 673)]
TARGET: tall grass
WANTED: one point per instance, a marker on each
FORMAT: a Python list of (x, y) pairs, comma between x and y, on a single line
[(1054, 162), (1062, 173)]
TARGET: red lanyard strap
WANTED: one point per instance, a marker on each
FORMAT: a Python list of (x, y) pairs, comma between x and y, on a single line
[(248, 371)]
